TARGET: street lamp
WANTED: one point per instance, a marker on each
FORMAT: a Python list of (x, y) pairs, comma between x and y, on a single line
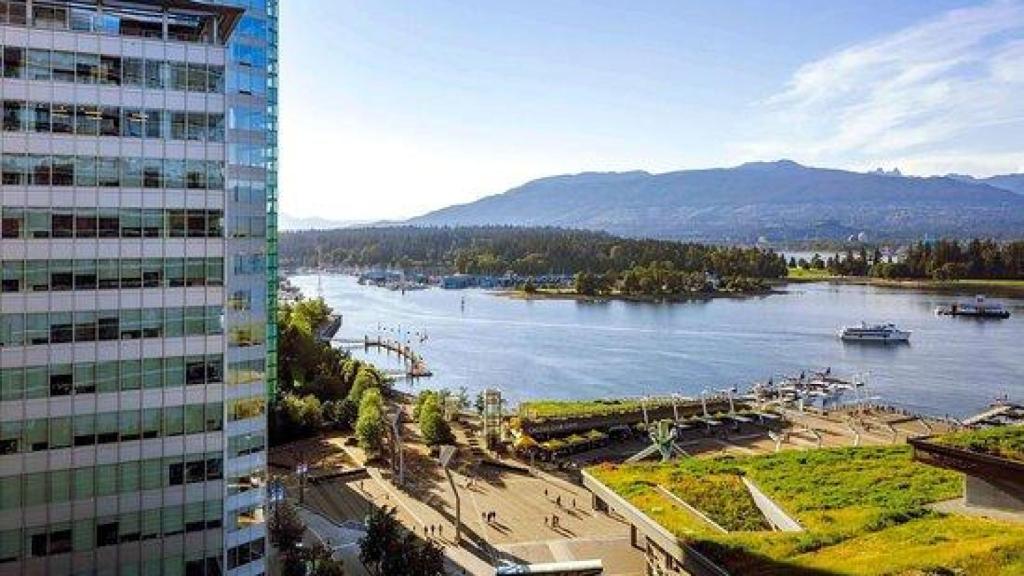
[(275, 493), (393, 419), (728, 392), (302, 470), (447, 452)]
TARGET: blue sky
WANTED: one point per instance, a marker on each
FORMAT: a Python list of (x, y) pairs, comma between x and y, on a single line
[(390, 109)]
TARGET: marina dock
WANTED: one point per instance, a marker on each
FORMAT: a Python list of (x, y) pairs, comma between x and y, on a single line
[(416, 367)]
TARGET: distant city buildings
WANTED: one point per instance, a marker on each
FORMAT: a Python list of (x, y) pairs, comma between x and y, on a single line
[(138, 254)]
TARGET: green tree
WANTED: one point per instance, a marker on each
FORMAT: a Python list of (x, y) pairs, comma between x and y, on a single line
[(320, 560), (370, 426), (315, 560), (286, 527), (427, 559), (387, 550), (304, 412), (433, 427), (585, 284), (421, 399), (365, 379), (342, 414), (381, 540)]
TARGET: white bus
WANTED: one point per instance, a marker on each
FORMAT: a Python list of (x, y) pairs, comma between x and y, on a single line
[(572, 568)]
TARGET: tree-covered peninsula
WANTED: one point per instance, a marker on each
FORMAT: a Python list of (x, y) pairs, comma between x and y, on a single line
[(600, 263)]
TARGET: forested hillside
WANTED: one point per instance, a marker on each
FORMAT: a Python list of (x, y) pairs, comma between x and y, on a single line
[(524, 251), (780, 201)]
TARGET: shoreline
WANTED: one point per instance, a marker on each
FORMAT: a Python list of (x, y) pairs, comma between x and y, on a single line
[(1010, 288), (996, 287), (549, 295)]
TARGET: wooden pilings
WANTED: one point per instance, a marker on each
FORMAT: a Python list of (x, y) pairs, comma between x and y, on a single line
[(415, 366)]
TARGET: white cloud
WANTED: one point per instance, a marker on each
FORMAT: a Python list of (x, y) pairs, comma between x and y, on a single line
[(945, 88)]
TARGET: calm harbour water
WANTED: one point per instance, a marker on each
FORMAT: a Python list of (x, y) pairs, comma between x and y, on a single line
[(569, 349)]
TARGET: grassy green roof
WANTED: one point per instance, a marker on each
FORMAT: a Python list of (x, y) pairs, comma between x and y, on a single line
[(1003, 441), (542, 409), (864, 511)]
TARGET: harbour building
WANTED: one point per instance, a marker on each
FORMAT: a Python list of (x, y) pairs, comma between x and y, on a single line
[(137, 285)]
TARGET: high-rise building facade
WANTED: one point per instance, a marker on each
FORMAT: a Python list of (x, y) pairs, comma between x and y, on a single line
[(137, 193)]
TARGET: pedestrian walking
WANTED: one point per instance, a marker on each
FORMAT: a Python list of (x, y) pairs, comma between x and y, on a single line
[(573, 503), (545, 520), (558, 500)]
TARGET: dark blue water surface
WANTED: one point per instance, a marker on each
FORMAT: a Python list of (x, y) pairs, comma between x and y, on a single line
[(570, 349)]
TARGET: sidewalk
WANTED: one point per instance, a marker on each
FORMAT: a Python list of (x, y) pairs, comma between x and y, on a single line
[(343, 541), (462, 561)]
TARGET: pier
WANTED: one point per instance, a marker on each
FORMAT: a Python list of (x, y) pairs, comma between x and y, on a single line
[(416, 367)]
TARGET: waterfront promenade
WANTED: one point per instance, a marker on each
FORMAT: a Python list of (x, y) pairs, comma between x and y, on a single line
[(509, 512), (522, 509)]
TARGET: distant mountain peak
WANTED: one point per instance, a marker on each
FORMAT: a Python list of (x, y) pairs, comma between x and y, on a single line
[(780, 200), (883, 172), (288, 222), (766, 165)]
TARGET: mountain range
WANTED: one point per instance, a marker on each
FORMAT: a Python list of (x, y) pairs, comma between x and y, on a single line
[(1011, 182), (777, 201), (288, 222)]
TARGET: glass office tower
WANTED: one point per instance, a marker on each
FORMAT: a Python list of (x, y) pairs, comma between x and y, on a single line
[(136, 201)]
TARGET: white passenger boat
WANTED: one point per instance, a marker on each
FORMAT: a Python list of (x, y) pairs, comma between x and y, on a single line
[(885, 333), (980, 308)]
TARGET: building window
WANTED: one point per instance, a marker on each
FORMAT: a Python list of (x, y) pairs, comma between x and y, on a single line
[(84, 483), (106, 533), (38, 64), (14, 62), (49, 16)]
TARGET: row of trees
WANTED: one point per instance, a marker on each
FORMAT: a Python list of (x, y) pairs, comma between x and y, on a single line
[(951, 260), (852, 264), (661, 279), (370, 426), (319, 386), (940, 260), (496, 250)]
